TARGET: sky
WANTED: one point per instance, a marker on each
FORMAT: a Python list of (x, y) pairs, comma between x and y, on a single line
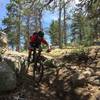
[(3, 11)]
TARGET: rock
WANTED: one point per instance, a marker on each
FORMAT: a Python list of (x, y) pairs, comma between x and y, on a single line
[(87, 73), (92, 65), (94, 80), (78, 91), (7, 77), (90, 69), (97, 73), (82, 93), (98, 65), (74, 67), (13, 62), (92, 53), (78, 80), (98, 55), (96, 96), (81, 76), (49, 63)]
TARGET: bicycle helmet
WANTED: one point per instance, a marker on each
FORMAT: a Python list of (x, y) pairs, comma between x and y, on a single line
[(41, 34)]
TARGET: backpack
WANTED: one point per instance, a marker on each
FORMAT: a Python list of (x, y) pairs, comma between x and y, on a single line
[(37, 42)]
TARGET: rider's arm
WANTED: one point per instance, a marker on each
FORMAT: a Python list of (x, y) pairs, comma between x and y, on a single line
[(44, 41)]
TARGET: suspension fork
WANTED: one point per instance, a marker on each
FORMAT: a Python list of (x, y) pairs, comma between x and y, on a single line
[(34, 54), (39, 51)]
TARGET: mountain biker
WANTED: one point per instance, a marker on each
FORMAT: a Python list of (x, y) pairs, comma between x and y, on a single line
[(35, 42)]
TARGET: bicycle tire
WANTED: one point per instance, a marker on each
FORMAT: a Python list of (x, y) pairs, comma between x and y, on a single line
[(38, 71)]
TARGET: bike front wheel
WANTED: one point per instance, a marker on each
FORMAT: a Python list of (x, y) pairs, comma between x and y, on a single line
[(38, 72)]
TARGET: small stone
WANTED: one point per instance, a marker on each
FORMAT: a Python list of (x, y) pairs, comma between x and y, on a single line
[(74, 67), (97, 73), (87, 73), (98, 65), (92, 65), (94, 80)]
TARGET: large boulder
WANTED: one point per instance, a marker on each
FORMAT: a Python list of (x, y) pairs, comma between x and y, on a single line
[(7, 77)]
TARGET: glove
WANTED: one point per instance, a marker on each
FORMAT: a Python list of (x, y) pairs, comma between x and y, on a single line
[(49, 50)]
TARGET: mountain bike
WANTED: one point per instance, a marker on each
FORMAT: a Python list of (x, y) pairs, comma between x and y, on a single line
[(36, 63)]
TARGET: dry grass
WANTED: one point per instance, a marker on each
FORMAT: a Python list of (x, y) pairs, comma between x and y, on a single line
[(57, 52)]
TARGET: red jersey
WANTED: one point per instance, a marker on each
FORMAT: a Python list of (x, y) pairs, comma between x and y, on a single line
[(33, 38)]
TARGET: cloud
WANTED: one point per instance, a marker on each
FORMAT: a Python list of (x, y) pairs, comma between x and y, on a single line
[(76, 1)]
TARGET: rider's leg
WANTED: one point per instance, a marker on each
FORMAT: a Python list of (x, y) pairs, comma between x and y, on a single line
[(34, 52), (39, 52), (29, 55)]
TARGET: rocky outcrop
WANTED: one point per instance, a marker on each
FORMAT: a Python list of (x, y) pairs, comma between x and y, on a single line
[(78, 74), (10, 66), (7, 77), (74, 76)]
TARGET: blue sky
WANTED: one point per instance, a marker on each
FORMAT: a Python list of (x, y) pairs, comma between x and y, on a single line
[(3, 11), (48, 17)]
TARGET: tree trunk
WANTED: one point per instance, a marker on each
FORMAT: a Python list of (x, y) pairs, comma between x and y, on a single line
[(36, 19), (27, 34), (40, 17), (65, 35), (18, 35), (60, 35)]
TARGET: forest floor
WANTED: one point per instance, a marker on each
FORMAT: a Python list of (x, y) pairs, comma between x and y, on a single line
[(56, 83)]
